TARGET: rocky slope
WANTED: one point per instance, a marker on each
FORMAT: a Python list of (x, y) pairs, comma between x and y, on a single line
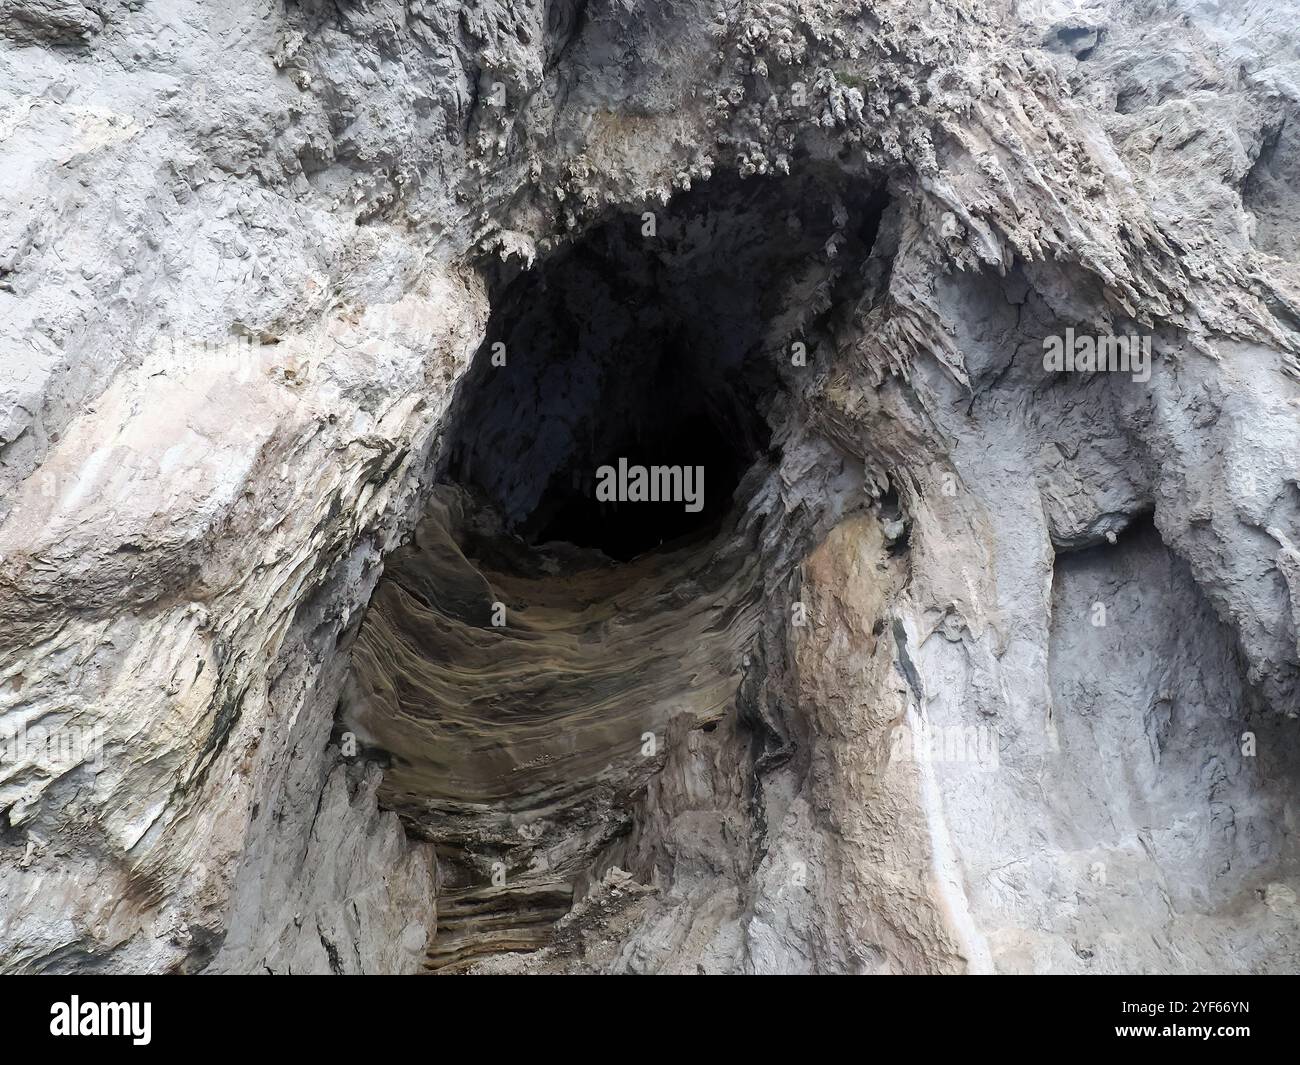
[(970, 666)]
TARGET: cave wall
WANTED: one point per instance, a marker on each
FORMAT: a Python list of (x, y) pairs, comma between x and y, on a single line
[(246, 254)]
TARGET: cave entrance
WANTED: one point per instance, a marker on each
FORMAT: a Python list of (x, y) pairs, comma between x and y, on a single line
[(659, 341), (507, 669)]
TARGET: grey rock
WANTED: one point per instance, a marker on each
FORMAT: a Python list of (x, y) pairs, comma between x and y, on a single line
[(242, 289)]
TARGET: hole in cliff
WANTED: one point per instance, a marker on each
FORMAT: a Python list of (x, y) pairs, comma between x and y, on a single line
[(523, 685), (628, 382)]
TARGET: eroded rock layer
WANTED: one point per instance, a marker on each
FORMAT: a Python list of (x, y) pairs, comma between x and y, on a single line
[(519, 748)]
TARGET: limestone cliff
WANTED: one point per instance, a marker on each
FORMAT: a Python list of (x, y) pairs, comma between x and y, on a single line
[(317, 652)]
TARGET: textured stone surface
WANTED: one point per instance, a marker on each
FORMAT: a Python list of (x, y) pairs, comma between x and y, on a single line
[(247, 252)]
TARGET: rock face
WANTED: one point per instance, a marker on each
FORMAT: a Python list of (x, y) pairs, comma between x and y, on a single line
[(319, 651)]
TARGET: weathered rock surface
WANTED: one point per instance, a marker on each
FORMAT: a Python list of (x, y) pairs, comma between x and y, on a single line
[(253, 257)]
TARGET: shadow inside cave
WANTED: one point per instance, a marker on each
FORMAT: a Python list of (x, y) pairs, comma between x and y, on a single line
[(524, 656)]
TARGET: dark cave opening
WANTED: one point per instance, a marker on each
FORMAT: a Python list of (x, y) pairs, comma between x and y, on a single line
[(510, 672), (661, 340)]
